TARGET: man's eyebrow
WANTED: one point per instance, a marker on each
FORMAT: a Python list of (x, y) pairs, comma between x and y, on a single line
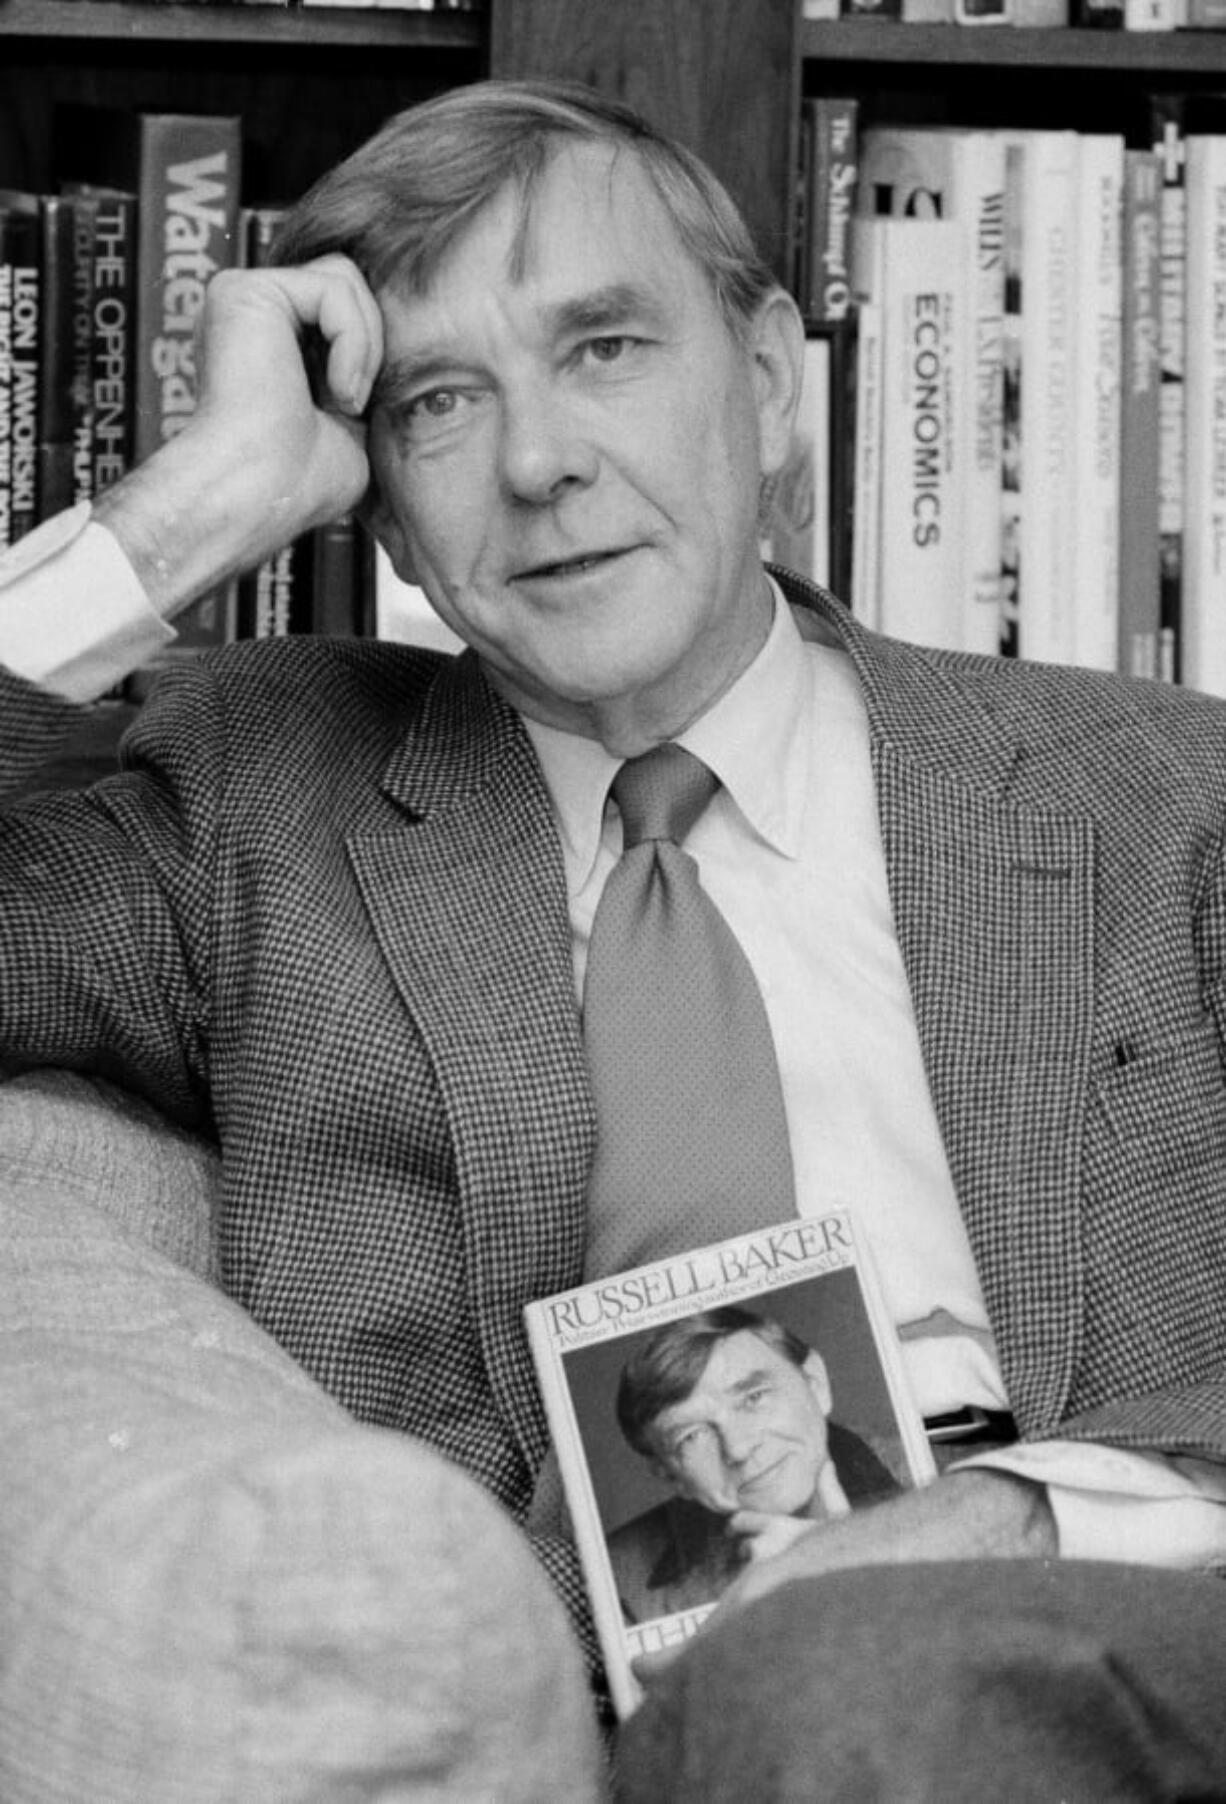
[(604, 308), (408, 373)]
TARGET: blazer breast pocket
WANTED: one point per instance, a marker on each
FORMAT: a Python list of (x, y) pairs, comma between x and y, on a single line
[(1164, 1102)]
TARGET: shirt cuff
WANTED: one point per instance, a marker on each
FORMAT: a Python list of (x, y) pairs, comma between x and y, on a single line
[(1146, 1509), (73, 616)]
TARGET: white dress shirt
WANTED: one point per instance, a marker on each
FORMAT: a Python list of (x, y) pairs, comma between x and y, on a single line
[(790, 851)]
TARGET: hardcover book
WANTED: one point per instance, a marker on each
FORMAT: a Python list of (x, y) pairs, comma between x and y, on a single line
[(112, 287), (20, 316), (1098, 331), (959, 175), (1204, 613), (1139, 420), (185, 170), (831, 136), (712, 1407), (923, 455)]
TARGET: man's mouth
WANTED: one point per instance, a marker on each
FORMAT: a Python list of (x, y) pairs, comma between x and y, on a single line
[(575, 566)]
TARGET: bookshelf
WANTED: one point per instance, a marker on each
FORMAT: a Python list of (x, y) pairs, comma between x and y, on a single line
[(312, 82)]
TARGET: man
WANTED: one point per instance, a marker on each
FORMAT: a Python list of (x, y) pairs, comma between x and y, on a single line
[(731, 1411), (336, 911)]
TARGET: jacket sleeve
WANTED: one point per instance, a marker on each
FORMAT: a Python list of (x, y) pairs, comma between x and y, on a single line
[(106, 897)]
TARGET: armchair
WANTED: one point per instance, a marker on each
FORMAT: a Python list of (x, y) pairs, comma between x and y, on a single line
[(214, 1584)]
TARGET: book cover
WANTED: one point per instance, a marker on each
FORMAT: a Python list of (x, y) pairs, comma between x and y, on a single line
[(1047, 171), (759, 1374), (1096, 436), (20, 313), (185, 169), (917, 172), (1139, 420), (832, 140), (1168, 137), (1203, 647), (923, 457)]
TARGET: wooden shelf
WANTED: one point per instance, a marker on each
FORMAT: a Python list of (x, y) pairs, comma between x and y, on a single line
[(154, 21), (1002, 46)]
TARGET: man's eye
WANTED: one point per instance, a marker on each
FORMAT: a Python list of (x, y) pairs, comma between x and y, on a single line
[(688, 1444), (608, 349), (436, 404)]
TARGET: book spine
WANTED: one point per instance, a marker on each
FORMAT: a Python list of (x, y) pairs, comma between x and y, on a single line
[(83, 210), (336, 602), (1096, 436), (1139, 430), (865, 587), (57, 356), (1170, 146), (24, 269), (1204, 615), (831, 196), (921, 532), (1049, 302), (188, 229), (1012, 499), (980, 204), (114, 249)]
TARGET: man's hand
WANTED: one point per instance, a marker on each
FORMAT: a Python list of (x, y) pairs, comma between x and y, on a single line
[(286, 359), (977, 1515)]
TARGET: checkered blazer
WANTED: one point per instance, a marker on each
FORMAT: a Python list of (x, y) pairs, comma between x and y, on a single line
[(321, 913)]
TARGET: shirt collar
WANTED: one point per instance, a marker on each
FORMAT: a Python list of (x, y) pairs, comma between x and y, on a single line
[(749, 738)]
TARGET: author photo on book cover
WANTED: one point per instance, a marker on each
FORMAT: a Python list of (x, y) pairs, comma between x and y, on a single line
[(678, 902), (730, 1410)]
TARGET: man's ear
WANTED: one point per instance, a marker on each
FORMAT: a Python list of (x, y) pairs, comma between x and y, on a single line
[(818, 1380), (381, 522), (777, 346)]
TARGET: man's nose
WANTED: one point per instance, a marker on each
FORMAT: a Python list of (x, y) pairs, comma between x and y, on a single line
[(738, 1437), (544, 446)]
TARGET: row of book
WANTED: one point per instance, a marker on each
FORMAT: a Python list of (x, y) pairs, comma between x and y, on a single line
[(1020, 341), (102, 280), (1096, 15)]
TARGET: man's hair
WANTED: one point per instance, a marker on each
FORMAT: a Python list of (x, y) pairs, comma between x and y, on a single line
[(671, 1360), (397, 205)]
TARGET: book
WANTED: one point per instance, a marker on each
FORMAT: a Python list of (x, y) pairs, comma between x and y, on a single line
[(1045, 168), (831, 137), (864, 591), (1167, 135), (1139, 420), (112, 252), (1098, 333), (65, 391), (1203, 635), (657, 1380), (923, 457), (960, 175), (20, 313), (185, 169)]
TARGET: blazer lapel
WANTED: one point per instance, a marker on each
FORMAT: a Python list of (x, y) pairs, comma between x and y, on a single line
[(468, 903), (993, 903)]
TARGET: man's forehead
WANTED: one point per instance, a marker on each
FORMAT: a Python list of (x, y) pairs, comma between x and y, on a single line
[(590, 215)]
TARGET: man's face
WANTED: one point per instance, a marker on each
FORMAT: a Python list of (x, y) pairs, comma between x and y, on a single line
[(568, 443), (752, 1433)]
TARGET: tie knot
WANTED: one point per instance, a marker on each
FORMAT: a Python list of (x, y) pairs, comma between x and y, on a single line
[(661, 794)]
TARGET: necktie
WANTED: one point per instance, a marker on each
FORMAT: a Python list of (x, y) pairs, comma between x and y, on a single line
[(692, 1142)]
